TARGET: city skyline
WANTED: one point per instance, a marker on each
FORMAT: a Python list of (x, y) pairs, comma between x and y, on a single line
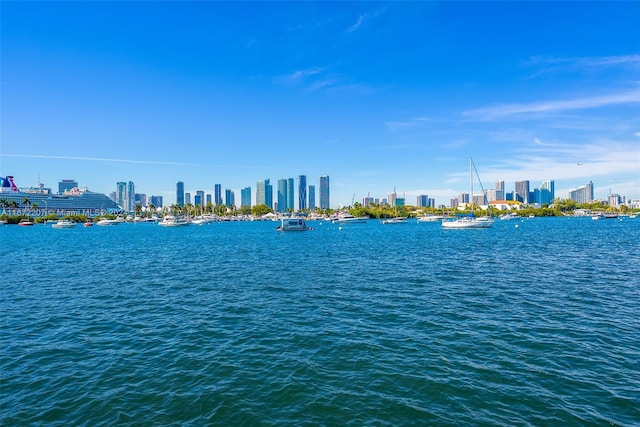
[(375, 95)]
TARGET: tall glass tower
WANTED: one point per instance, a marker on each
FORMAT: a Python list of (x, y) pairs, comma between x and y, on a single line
[(282, 195), (324, 192), (217, 189), (245, 197), (312, 197), (302, 192), (180, 193), (290, 194)]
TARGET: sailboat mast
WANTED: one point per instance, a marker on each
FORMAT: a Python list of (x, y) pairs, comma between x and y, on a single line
[(471, 179)]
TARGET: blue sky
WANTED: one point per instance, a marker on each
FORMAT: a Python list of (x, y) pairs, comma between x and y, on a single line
[(377, 95)]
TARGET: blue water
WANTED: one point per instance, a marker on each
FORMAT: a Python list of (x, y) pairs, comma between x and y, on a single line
[(531, 322)]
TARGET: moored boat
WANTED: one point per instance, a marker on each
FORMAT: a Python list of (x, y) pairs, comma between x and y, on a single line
[(26, 223), (470, 221), (172, 221), (108, 222), (293, 224), (64, 223), (395, 220)]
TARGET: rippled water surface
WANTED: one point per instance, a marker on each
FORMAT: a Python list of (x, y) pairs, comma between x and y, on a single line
[(531, 322)]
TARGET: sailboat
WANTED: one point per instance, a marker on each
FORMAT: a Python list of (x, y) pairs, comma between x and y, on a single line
[(470, 221)]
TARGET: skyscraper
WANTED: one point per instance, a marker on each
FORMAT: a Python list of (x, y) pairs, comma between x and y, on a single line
[(302, 192), (583, 194), (312, 197), (290, 194), (229, 198), (180, 193), (324, 192), (121, 191), (131, 197), (66, 184), (522, 189), (218, 194), (245, 197), (264, 193), (549, 185), (422, 201), (282, 195)]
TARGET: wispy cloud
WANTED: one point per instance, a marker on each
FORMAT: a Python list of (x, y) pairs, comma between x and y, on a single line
[(511, 110), (97, 159), (549, 64), (321, 79), (397, 126), (362, 19)]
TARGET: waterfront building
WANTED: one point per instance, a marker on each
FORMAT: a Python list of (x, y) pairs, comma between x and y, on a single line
[(399, 202), (499, 185), (281, 196), (463, 199), (264, 193), (209, 199), (392, 198), (302, 192), (454, 202), (141, 199), (367, 201), (121, 189), (290, 194), (157, 201), (324, 192), (550, 186), (583, 194), (615, 200), (199, 198), (522, 189), (66, 185), (229, 198), (245, 197), (422, 201), (312, 197), (180, 193), (113, 196), (431, 203), (187, 198), (217, 190)]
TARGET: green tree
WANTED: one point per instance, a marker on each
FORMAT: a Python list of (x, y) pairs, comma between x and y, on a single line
[(260, 210)]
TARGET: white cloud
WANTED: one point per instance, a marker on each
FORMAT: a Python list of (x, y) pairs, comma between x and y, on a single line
[(510, 110)]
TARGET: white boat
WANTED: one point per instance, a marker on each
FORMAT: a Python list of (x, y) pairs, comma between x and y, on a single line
[(430, 218), (172, 221), (395, 220), (469, 221), (347, 218), (108, 222), (293, 224), (64, 223)]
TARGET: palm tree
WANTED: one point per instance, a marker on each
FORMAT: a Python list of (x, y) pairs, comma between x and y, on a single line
[(4, 203)]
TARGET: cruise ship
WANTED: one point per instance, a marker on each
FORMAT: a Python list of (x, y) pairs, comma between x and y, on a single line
[(37, 201)]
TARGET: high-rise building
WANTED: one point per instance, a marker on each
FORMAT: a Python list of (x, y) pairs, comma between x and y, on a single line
[(131, 197), (583, 194), (264, 193), (180, 193), (245, 197), (282, 195), (522, 189), (302, 192), (312, 197), (141, 199), (463, 199), (324, 192), (187, 198), (422, 201), (209, 200), (199, 199), (121, 194), (229, 198), (156, 201), (550, 186), (290, 194), (66, 185), (392, 197), (498, 193), (217, 189), (431, 203)]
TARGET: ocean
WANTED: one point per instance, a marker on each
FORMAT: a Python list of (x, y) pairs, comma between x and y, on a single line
[(531, 322)]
